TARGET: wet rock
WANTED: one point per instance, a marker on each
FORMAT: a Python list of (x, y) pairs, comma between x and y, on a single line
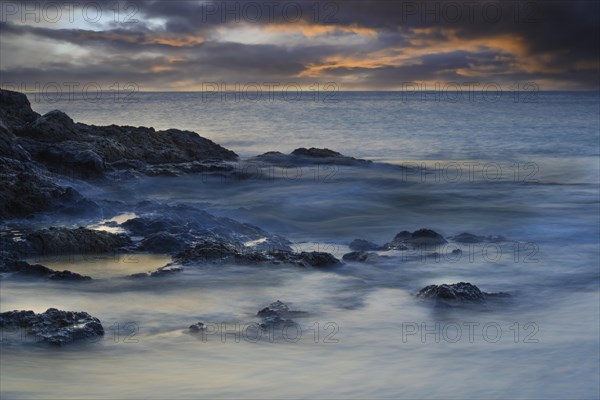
[(363, 245), (309, 156), (426, 237), (276, 315), (197, 327), (54, 326), (360, 256), (162, 242), (9, 148), (459, 292), (316, 259), (54, 126), (22, 268), (403, 236), (15, 110), (188, 168), (72, 241), (422, 237), (169, 269), (315, 153), (183, 226), (209, 251), (470, 238), (214, 251), (28, 189), (72, 160), (78, 150)]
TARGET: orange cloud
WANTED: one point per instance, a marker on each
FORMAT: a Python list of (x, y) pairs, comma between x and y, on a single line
[(143, 39), (430, 41), (312, 30)]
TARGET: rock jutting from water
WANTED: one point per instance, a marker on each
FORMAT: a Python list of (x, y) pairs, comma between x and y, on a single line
[(53, 326), (456, 294), (313, 155)]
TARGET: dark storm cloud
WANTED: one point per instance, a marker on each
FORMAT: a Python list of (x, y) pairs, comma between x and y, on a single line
[(546, 41)]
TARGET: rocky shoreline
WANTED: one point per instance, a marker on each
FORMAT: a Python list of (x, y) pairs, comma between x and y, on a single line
[(39, 154)]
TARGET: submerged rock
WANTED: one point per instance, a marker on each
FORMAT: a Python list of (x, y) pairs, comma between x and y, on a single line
[(54, 326), (363, 245), (466, 237)]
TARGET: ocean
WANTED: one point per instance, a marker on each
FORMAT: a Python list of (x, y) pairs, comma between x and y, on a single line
[(524, 167)]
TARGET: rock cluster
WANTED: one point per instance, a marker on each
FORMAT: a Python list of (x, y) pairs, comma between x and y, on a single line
[(54, 326)]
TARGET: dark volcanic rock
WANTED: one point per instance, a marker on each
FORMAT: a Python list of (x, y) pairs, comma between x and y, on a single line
[(197, 327), (309, 156), (277, 315), (86, 151), (403, 235), (426, 237), (360, 256), (214, 251), (22, 268), (10, 149), (456, 294), (72, 241), (54, 326), (54, 126), (27, 189), (15, 110), (175, 228), (460, 292), (422, 237), (363, 245), (315, 153), (316, 259), (162, 242), (72, 159)]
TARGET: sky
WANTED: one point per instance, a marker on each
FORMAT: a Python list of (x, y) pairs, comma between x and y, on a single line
[(355, 45)]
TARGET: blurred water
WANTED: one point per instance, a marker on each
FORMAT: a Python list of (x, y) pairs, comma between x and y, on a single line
[(545, 202)]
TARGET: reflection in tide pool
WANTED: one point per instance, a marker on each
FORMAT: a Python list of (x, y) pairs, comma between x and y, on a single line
[(99, 266)]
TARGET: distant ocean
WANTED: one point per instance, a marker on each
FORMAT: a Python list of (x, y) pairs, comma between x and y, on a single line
[(392, 125)]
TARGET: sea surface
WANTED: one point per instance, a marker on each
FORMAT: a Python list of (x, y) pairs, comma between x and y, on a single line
[(524, 167)]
